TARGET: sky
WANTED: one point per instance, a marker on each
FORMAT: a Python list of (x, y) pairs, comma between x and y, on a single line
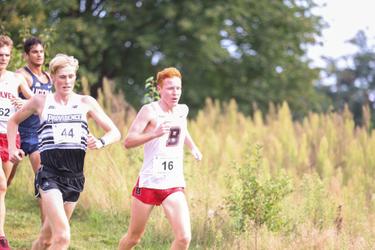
[(345, 18)]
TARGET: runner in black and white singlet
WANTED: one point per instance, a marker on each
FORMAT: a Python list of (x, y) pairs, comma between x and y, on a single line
[(64, 139), (162, 128), (10, 85)]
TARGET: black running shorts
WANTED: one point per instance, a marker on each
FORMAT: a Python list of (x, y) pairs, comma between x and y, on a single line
[(70, 185)]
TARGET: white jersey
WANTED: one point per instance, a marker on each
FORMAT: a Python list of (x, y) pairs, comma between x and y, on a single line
[(63, 134), (8, 89), (163, 156), (63, 127)]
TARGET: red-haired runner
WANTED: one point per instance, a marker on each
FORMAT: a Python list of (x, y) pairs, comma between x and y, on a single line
[(161, 126)]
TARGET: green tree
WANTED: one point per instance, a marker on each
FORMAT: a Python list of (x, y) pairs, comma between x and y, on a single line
[(253, 51), (269, 38), (353, 80), (21, 20)]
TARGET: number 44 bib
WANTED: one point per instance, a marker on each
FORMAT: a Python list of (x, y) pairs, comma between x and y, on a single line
[(166, 165), (67, 133)]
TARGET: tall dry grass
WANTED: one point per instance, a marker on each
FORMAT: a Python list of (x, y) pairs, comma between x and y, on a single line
[(331, 164)]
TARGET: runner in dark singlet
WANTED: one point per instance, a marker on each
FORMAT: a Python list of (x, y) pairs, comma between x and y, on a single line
[(40, 83)]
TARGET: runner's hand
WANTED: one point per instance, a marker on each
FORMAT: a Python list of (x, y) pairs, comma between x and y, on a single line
[(196, 153), (163, 129), (93, 142), (17, 102), (16, 156)]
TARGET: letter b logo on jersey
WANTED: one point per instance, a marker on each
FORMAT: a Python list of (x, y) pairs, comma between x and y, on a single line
[(174, 135)]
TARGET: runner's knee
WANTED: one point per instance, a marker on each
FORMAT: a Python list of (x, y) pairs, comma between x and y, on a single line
[(44, 240), (3, 184), (183, 240), (133, 239), (45, 243), (62, 238)]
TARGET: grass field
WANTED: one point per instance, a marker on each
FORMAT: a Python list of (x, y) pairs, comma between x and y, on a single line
[(329, 163)]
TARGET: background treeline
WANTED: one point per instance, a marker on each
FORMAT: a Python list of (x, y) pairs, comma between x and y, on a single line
[(252, 51)]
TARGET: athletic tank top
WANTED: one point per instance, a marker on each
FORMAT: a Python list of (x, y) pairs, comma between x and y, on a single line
[(163, 156), (63, 135), (8, 89), (32, 123)]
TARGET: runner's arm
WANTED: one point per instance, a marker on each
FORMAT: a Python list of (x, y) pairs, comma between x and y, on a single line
[(24, 87), (30, 107), (137, 134), (112, 134), (193, 148), (27, 76)]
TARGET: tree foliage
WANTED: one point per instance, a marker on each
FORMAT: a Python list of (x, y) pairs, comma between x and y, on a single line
[(152, 93), (253, 51), (354, 79)]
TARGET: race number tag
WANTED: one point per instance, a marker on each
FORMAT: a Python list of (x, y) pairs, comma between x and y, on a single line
[(67, 132), (4, 114), (6, 109), (166, 165)]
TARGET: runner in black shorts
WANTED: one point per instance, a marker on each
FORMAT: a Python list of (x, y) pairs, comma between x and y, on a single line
[(64, 138)]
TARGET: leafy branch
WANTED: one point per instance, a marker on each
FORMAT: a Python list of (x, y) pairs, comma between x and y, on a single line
[(152, 93)]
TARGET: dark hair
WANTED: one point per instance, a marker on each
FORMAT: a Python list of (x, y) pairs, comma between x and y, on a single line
[(30, 42)]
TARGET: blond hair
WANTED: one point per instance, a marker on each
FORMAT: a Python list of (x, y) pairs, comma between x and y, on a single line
[(61, 61), (6, 41)]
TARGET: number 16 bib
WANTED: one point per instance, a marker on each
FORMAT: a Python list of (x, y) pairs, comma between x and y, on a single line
[(166, 165)]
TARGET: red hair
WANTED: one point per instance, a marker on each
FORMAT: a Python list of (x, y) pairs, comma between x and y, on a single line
[(167, 73)]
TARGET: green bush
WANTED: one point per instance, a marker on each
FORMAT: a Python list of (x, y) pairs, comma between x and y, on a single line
[(255, 198)]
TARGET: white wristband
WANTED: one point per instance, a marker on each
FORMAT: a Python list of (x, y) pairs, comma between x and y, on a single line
[(102, 142)]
